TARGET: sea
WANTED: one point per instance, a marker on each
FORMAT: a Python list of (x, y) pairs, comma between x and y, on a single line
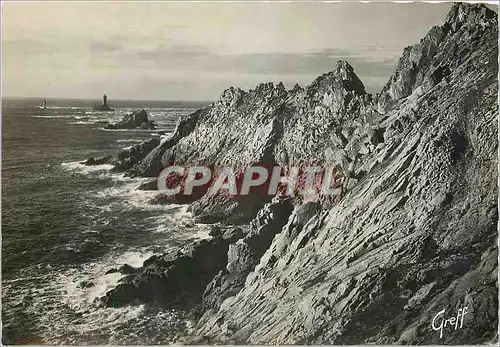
[(65, 224)]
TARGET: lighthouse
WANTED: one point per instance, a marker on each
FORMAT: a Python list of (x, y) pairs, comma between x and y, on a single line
[(104, 106)]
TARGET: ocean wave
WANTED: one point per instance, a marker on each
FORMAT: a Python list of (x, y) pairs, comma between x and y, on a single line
[(182, 221), (125, 189), (68, 312), (83, 123), (54, 116), (64, 299), (122, 130), (130, 140), (86, 169), (64, 303), (78, 296), (21, 279), (64, 107)]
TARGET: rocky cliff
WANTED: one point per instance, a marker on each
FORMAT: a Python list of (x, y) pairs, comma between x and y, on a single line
[(415, 230)]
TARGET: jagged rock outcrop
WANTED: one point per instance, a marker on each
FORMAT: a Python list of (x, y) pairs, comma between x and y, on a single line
[(135, 120), (264, 126), (159, 157), (173, 279), (99, 161), (127, 158), (442, 50), (414, 231)]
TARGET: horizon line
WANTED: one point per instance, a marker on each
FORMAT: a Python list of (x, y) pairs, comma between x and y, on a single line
[(98, 99)]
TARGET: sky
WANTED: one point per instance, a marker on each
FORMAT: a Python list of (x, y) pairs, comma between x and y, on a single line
[(193, 51)]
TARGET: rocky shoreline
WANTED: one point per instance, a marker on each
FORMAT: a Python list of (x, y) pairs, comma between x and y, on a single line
[(414, 231)]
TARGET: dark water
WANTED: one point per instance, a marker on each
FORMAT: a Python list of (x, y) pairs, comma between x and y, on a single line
[(64, 223)]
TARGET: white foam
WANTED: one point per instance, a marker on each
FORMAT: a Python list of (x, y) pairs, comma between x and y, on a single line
[(79, 298), (21, 279), (82, 123), (66, 313), (130, 196), (138, 130), (179, 218), (63, 107), (124, 188), (86, 169)]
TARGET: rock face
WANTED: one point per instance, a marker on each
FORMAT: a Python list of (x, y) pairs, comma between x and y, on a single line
[(138, 119), (245, 254), (414, 232), (441, 51)]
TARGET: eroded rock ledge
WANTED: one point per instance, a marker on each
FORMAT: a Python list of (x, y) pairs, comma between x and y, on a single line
[(414, 233)]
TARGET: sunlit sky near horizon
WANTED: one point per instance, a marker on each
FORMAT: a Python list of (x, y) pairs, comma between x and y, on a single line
[(193, 51)]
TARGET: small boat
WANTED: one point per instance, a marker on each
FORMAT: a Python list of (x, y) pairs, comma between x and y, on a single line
[(44, 104)]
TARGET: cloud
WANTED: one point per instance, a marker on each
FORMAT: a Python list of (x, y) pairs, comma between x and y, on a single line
[(22, 47), (103, 47), (170, 63), (162, 50), (188, 58)]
